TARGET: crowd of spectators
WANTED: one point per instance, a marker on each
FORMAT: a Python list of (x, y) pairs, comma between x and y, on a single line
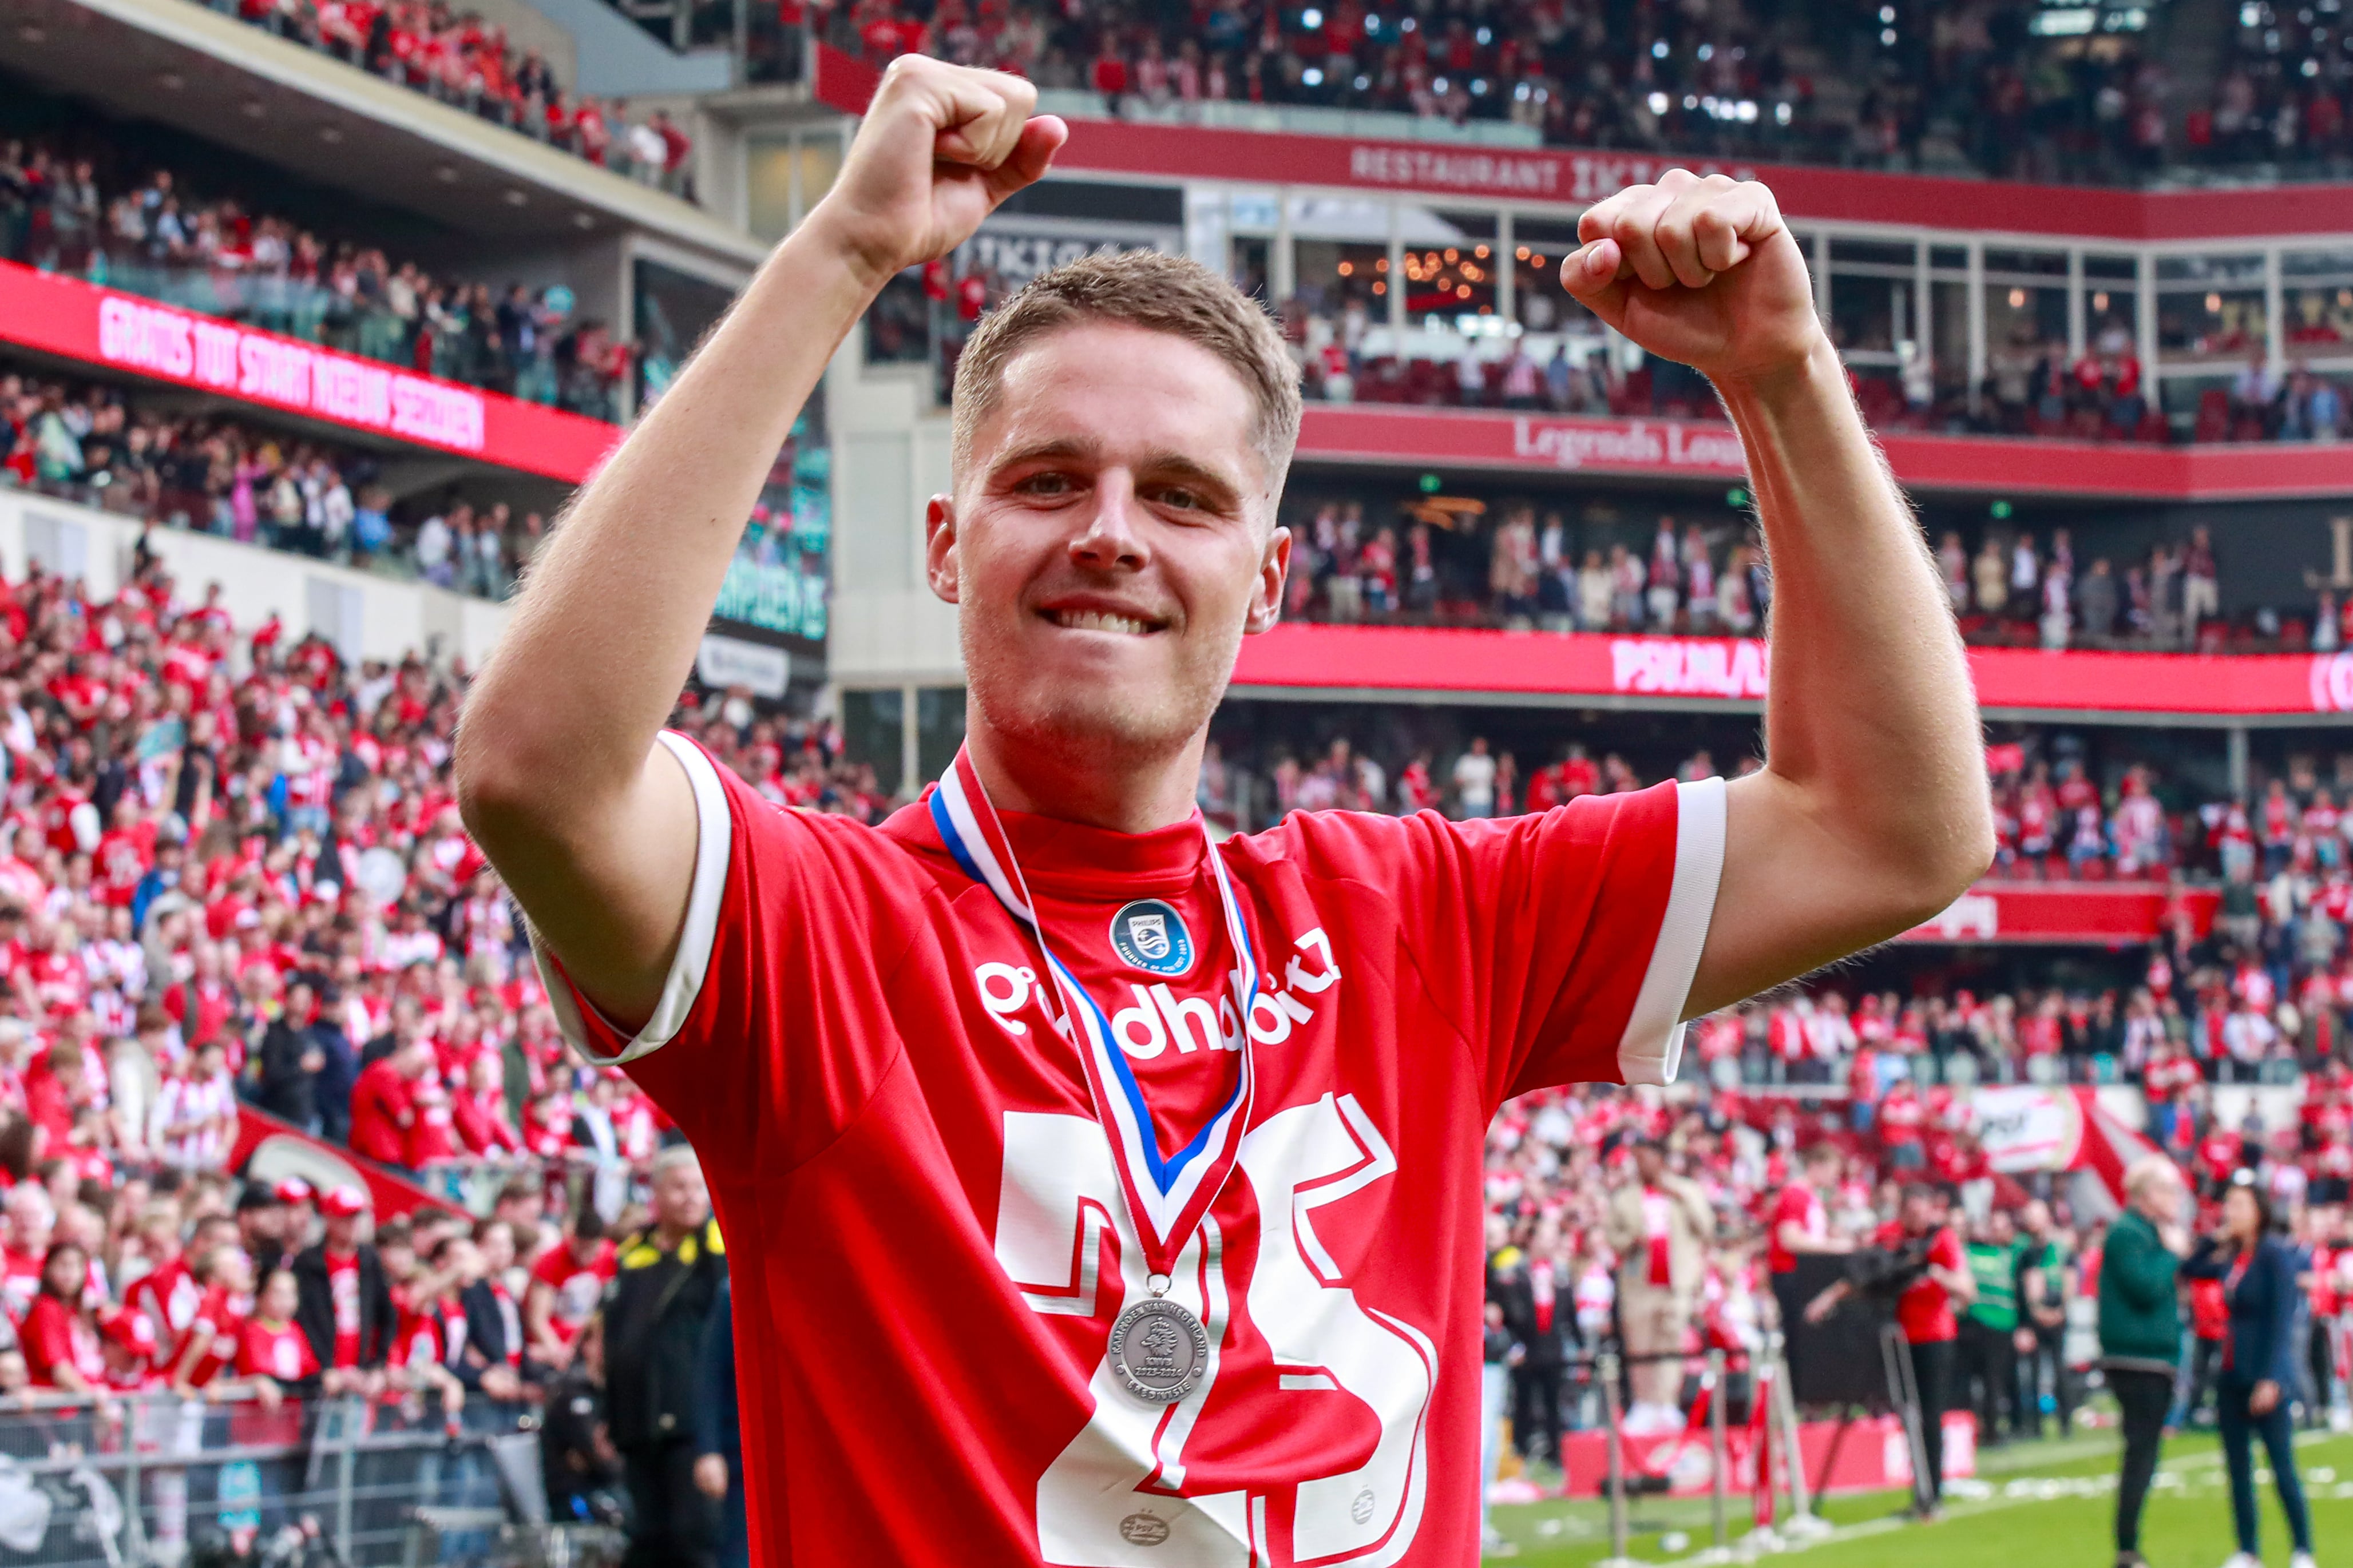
[(458, 57), (232, 881), (1454, 560), (1876, 85), (2032, 387), (1766, 1173), (151, 235), (2282, 100), (2290, 846), (200, 471)]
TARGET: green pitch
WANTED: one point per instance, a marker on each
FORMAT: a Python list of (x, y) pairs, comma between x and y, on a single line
[(2044, 1505)]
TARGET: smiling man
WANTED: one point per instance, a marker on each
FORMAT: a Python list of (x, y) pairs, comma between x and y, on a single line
[(1097, 1194)]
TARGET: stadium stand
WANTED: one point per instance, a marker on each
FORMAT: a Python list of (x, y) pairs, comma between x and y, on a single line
[(456, 58), (77, 208), (255, 486), (1983, 87), (237, 903)]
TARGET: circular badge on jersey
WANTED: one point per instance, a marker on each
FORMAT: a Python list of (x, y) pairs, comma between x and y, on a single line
[(1159, 1350), (1150, 935)]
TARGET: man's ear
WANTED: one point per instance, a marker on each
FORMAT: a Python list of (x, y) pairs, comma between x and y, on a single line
[(939, 547), (1266, 595)]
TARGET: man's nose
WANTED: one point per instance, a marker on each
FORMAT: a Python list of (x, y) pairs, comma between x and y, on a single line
[(1113, 538)]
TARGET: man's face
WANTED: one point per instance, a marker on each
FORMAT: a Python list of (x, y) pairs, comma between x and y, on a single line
[(1648, 1164), (681, 1200), (1109, 542)]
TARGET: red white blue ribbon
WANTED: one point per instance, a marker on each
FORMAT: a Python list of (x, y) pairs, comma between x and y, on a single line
[(1167, 1194)]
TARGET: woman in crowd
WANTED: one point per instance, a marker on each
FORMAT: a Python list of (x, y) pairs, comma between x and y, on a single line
[(60, 1336), (2258, 1270)]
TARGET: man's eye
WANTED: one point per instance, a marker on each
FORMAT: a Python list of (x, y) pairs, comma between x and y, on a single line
[(1047, 484), (1179, 497)]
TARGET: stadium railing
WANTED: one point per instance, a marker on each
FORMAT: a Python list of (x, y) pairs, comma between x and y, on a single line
[(153, 1478)]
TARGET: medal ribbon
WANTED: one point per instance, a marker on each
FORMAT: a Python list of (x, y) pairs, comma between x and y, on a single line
[(1167, 1194)]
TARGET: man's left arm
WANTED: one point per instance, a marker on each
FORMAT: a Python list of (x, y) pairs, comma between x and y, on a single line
[(1872, 812)]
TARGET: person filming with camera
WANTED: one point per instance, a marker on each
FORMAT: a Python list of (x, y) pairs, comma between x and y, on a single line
[(1917, 1260), (2258, 1270)]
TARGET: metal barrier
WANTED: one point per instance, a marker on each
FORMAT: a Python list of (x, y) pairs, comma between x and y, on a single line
[(153, 1479)]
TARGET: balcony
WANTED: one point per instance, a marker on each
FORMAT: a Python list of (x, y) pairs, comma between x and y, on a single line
[(216, 78)]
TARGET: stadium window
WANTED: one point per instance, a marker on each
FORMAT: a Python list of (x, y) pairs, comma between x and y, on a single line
[(785, 173), (2210, 309), (1873, 306), (2316, 304), (939, 729), (2025, 300), (1546, 310), (873, 731), (1329, 273), (1445, 277), (2111, 303)]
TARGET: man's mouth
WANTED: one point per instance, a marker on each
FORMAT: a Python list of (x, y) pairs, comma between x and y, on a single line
[(1101, 621)]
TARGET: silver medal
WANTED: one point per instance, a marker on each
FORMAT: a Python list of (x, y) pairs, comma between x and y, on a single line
[(1159, 1350)]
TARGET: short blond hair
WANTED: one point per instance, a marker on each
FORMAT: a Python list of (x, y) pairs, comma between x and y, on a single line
[(1155, 291)]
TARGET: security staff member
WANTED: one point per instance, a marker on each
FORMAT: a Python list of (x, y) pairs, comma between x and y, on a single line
[(667, 1283)]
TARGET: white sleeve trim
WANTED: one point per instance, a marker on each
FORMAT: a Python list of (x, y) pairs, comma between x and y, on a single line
[(1653, 1045), (714, 830)]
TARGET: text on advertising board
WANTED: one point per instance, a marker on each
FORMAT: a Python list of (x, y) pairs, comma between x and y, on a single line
[(267, 369)]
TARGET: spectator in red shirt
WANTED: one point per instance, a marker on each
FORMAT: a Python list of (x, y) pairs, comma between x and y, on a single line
[(479, 1109), (384, 1102), (208, 1347), (345, 1300), (1920, 1240), (566, 1287), (60, 1335), (1799, 1223)]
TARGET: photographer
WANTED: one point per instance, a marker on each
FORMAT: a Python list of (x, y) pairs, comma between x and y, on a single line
[(2258, 1269), (1918, 1262)]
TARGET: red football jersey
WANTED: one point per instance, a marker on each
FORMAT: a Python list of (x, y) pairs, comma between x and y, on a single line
[(929, 1237)]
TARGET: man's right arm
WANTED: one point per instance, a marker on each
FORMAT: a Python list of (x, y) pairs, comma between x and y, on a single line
[(590, 822)]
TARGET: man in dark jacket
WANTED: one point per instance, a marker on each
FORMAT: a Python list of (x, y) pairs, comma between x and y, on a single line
[(655, 1312), (719, 1434), (345, 1302), (2140, 1330), (339, 1066), (294, 1061), (1536, 1293)]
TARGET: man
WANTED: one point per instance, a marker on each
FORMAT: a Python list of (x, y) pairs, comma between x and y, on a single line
[(861, 1032), (2140, 1330), (262, 1219), (385, 1114), (655, 1314), (345, 1300), (566, 1285), (1919, 1238), (293, 1057), (1658, 1225), (1799, 1224), (1990, 1339), (2045, 1284), (1537, 1292)]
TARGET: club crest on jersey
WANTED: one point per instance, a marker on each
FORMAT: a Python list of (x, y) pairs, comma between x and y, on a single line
[(1150, 935)]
